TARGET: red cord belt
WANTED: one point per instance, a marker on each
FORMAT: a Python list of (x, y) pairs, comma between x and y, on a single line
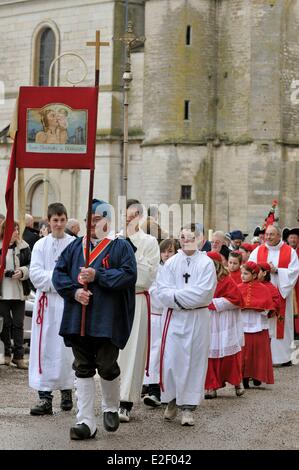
[(148, 301), (42, 302), (163, 341)]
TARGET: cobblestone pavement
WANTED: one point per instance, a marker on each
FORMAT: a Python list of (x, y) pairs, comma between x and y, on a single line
[(264, 418)]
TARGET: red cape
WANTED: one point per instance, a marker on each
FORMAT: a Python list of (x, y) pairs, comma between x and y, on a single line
[(276, 297), (236, 276), (227, 288), (256, 296)]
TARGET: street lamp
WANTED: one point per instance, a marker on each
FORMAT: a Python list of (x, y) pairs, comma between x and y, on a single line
[(130, 41)]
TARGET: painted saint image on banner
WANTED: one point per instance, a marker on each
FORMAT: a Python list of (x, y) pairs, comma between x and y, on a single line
[(56, 128)]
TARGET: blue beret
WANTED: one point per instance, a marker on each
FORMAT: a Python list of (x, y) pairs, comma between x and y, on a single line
[(102, 208)]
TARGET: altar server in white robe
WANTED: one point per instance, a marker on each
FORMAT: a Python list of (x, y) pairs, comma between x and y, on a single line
[(132, 358), (168, 248), (284, 273), (50, 361), (186, 287)]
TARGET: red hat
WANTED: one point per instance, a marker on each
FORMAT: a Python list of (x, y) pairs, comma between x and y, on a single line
[(252, 267), (214, 255), (265, 266), (247, 247)]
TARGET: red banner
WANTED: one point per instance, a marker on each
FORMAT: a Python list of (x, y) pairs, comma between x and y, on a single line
[(9, 199), (57, 127)]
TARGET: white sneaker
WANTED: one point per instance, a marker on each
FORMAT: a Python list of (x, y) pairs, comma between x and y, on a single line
[(187, 418), (151, 401), (210, 394), (171, 411), (240, 390), (124, 415)]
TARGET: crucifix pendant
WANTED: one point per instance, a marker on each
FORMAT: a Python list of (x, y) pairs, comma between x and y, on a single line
[(186, 276)]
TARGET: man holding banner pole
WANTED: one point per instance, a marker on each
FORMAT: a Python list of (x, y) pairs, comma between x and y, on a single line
[(110, 305)]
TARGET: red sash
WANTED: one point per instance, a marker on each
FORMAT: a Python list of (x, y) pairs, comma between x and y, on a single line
[(97, 250), (163, 342), (283, 262)]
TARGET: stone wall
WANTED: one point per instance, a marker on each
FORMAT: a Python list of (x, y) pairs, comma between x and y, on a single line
[(175, 72)]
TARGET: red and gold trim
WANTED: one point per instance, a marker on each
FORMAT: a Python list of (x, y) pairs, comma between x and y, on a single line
[(96, 251)]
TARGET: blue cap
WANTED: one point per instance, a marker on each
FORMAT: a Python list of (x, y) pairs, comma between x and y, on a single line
[(102, 208), (238, 235)]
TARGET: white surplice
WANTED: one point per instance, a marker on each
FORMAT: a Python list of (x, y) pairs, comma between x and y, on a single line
[(285, 281), (187, 344), (55, 358), (156, 333), (132, 358), (227, 336)]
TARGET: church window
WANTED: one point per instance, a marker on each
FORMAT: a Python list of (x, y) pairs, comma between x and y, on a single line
[(186, 110), (186, 191), (46, 55), (36, 198), (188, 35)]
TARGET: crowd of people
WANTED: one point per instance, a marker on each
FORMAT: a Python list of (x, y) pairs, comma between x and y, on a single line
[(171, 321)]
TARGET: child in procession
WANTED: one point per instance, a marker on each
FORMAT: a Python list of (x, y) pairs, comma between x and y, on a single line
[(227, 338)]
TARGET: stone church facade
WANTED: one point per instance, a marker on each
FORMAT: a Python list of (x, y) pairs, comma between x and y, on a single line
[(214, 108)]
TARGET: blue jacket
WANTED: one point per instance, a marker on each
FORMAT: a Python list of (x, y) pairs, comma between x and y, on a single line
[(110, 312)]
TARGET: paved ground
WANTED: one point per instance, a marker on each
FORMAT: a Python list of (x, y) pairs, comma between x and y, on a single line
[(264, 418)]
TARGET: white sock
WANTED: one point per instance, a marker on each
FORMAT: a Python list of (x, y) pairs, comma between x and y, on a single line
[(110, 394), (85, 393)]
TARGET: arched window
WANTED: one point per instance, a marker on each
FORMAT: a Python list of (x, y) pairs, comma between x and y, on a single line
[(36, 200), (46, 56), (45, 47)]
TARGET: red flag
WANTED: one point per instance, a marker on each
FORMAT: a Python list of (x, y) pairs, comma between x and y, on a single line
[(272, 217), (9, 199)]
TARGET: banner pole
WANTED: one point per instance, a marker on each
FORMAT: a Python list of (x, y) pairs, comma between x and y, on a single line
[(21, 200), (97, 45)]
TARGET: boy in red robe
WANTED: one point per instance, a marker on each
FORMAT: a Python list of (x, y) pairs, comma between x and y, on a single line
[(234, 265), (227, 338), (257, 358), (264, 276)]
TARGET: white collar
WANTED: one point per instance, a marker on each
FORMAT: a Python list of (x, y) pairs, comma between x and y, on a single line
[(110, 236), (182, 253), (275, 247)]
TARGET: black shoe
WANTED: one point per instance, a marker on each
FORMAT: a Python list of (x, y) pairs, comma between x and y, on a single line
[(66, 403), (257, 383), (111, 421), (80, 432), (44, 407), (144, 391), (286, 364), (152, 400), (246, 382)]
